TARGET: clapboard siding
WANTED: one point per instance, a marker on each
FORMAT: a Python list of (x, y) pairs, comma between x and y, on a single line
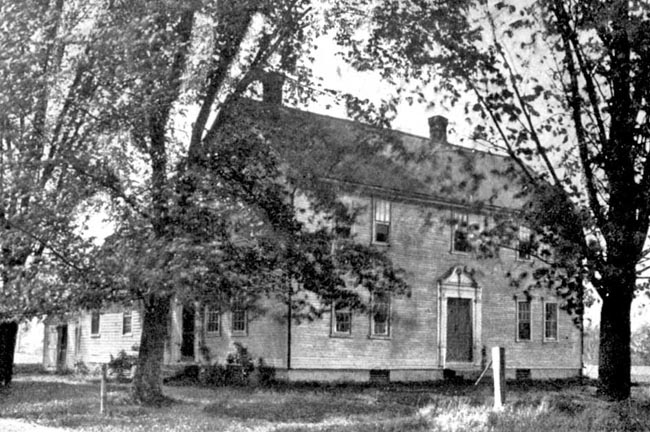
[(420, 244)]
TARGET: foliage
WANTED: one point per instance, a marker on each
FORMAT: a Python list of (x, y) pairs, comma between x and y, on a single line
[(576, 128), (49, 133), (80, 368), (266, 373), (237, 370), (133, 101), (121, 366)]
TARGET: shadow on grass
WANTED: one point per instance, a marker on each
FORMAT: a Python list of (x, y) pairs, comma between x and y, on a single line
[(410, 424), (314, 402)]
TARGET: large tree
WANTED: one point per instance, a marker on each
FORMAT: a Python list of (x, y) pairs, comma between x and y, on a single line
[(50, 125), (562, 88), (208, 214)]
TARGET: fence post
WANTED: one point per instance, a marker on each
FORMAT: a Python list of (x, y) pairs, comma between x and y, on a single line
[(102, 391), (499, 374)]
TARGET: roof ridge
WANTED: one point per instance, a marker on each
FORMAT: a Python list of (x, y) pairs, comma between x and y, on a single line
[(378, 128)]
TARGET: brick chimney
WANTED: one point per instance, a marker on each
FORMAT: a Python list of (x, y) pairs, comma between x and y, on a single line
[(272, 83), (438, 129)]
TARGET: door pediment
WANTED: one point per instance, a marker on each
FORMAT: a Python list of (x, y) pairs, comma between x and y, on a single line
[(458, 275)]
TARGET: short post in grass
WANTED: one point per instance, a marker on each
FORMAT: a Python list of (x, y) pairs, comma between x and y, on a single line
[(499, 374), (102, 391)]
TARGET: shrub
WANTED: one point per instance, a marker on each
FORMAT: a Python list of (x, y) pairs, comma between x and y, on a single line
[(265, 373), (239, 365), (237, 371), (121, 365), (80, 368)]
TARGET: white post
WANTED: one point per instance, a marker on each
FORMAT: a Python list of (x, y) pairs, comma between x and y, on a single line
[(499, 374), (102, 391)]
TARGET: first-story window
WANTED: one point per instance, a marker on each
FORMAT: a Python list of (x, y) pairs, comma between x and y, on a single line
[(94, 323), (213, 320), (239, 318), (523, 320), (550, 321), (342, 317), (381, 221), (380, 318), (460, 237), (127, 322)]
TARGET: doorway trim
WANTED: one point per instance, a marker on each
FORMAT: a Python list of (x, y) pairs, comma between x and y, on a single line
[(458, 282)]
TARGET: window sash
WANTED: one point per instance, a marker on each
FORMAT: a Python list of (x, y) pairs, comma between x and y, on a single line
[(524, 243), (212, 320), (550, 321), (380, 314), (238, 319), (382, 221), (94, 322), (127, 322), (382, 211), (523, 320), (460, 233), (342, 320)]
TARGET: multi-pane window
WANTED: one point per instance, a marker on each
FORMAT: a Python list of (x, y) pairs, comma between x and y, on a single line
[(460, 233), (380, 325), (94, 323), (212, 320), (239, 321), (127, 320), (342, 318), (550, 321), (523, 320), (382, 221), (524, 243)]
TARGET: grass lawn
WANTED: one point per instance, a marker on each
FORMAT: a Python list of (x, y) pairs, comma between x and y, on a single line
[(73, 403)]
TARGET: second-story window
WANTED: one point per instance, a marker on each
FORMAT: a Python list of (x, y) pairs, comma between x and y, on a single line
[(460, 239), (524, 243), (381, 225)]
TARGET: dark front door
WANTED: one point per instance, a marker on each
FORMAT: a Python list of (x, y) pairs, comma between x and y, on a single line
[(459, 330), (61, 346), (187, 345)]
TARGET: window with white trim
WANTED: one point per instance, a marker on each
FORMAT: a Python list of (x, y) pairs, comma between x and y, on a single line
[(127, 322), (460, 234), (380, 314), (213, 320), (523, 320), (94, 323), (550, 321), (239, 319), (381, 225), (524, 243), (341, 320)]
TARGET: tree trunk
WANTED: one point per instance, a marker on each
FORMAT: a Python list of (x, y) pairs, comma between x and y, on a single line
[(8, 334), (147, 382), (614, 351)]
